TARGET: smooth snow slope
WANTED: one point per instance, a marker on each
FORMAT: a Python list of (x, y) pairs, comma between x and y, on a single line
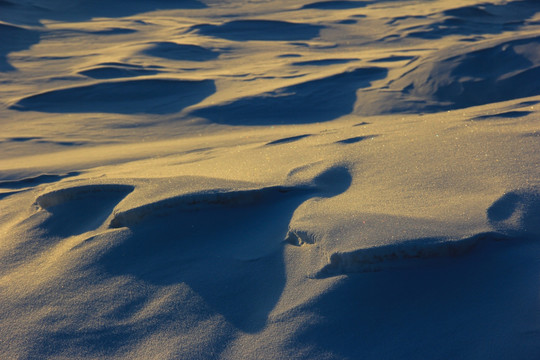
[(263, 179)]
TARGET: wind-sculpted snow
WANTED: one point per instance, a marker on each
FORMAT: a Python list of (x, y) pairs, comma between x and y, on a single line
[(355, 139), (63, 195), (311, 101), (464, 77), (197, 201), (287, 139), (269, 179), (36, 10), (117, 71), (394, 58), (335, 5), (14, 38), (264, 30), (35, 180), (403, 254), (79, 209), (174, 51), (330, 182), (517, 213), (322, 62), (504, 115), (238, 229), (514, 217), (151, 96), (475, 20)]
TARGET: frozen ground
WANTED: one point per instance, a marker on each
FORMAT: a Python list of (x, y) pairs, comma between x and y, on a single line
[(206, 179)]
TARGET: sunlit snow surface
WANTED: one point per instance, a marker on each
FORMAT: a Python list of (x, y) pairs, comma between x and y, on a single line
[(203, 179)]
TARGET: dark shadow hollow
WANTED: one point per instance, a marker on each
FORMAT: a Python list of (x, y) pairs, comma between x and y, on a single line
[(14, 38), (313, 101), (231, 255), (150, 96), (265, 30)]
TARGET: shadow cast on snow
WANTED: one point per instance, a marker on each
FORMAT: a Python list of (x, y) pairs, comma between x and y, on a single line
[(494, 280), (14, 38), (312, 101), (262, 30), (148, 96), (14, 15), (80, 10), (231, 255), (478, 20), (420, 307), (179, 52)]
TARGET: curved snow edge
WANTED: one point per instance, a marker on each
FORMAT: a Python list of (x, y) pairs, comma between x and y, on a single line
[(378, 258), (60, 196), (188, 202)]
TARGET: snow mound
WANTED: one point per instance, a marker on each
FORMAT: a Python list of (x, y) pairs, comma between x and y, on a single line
[(461, 77)]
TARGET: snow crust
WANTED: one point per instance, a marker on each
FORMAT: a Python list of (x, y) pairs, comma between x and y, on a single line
[(204, 179)]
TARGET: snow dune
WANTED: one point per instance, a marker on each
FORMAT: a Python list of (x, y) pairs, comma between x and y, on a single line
[(204, 179)]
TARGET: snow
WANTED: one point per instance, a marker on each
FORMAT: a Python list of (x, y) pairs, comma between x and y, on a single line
[(207, 179)]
